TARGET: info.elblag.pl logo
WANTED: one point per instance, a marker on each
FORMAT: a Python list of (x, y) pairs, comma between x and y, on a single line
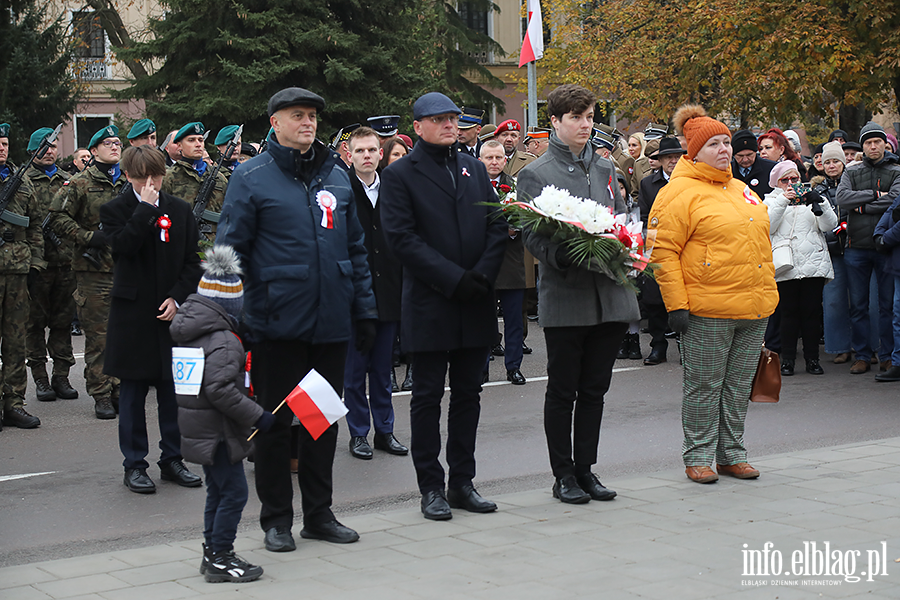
[(814, 564)]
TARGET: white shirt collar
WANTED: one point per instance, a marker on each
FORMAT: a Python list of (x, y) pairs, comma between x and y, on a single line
[(372, 191)]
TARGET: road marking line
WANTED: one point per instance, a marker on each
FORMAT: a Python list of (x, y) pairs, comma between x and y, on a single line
[(23, 476), (496, 383)]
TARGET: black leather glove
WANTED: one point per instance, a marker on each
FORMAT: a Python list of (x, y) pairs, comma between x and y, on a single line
[(879, 245), (98, 240), (678, 320), (471, 286), (365, 335), (265, 422), (813, 198)]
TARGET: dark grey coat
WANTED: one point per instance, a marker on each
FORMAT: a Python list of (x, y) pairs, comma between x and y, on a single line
[(575, 296), (222, 411)]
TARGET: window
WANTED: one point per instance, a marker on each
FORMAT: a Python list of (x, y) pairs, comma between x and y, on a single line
[(87, 125), (91, 39), (473, 17)]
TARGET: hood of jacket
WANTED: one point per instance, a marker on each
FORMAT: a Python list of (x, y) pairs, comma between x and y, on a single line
[(290, 159), (701, 172), (197, 317)]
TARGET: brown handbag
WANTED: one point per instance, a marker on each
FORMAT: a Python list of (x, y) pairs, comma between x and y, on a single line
[(767, 381)]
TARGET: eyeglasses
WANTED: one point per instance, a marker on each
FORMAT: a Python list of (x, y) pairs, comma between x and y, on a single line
[(441, 119), (111, 144), (789, 180)]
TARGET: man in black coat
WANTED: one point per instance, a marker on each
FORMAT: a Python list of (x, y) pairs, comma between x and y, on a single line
[(451, 250), (747, 165), (153, 237), (365, 153), (668, 155)]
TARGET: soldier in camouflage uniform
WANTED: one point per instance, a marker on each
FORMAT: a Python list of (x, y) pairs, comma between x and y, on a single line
[(21, 257), (76, 217), (183, 179), (223, 138), (52, 304)]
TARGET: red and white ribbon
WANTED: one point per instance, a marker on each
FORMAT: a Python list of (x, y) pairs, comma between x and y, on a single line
[(164, 223), (327, 203)]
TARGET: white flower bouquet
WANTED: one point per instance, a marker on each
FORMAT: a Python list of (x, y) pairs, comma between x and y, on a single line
[(592, 231)]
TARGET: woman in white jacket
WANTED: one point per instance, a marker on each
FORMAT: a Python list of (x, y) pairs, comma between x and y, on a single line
[(801, 222)]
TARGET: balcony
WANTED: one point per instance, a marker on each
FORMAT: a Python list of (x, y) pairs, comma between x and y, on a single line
[(91, 69)]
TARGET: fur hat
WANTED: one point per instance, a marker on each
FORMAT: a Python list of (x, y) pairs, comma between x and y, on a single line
[(691, 121), (221, 281)]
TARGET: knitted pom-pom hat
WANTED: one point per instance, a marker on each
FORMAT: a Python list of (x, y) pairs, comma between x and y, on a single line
[(221, 281), (692, 122)]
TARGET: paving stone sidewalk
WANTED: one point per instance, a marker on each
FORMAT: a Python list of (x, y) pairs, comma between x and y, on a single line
[(664, 537)]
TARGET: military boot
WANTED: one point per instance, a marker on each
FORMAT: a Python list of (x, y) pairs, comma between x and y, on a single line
[(62, 387), (43, 390), (103, 408)]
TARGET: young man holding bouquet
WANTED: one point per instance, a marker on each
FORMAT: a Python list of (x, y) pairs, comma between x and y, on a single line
[(584, 312)]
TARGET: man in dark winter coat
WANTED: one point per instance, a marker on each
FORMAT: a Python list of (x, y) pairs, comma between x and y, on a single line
[(747, 165), (153, 239), (365, 153), (451, 252), (290, 215)]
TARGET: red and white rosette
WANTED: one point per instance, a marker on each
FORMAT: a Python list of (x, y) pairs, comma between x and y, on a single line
[(327, 203), (164, 223)]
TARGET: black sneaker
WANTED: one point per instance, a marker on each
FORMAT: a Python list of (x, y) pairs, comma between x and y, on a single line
[(207, 556), (228, 566)]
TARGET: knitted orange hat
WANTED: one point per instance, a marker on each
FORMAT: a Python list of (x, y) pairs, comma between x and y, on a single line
[(692, 121)]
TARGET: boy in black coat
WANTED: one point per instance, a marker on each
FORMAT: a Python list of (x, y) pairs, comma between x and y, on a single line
[(153, 238)]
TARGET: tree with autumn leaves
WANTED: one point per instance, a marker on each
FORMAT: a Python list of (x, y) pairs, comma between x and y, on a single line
[(757, 60)]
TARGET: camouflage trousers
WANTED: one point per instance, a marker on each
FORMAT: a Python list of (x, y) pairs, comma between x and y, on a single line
[(13, 322), (53, 306), (92, 299)]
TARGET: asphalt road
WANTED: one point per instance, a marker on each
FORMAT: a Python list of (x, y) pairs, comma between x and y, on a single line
[(61, 485)]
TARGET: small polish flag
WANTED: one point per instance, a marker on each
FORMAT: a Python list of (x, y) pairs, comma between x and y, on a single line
[(533, 44), (316, 404)]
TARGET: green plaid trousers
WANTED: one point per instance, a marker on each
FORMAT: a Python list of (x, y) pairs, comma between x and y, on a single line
[(720, 358)]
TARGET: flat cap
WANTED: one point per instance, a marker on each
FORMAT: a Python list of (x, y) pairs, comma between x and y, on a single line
[(193, 128), (295, 96), (34, 142), (142, 127), (433, 103), (110, 131)]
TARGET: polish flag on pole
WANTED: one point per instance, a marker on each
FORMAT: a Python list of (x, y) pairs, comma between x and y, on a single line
[(316, 404), (533, 44)]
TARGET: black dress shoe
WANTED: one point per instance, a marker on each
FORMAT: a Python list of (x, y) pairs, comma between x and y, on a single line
[(388, 443), (76, 329), (19, 417), (467, 498), (516, 377), (566, 490), (177, 472), (623, 349), (279, 539), (526, 349), (656, 356), (360, 448), (813, 367), (330, 531), (485, 377), (892, 374), (62, 387), (407, 384), (498, 350), (787, 368), (634, 347), (139, 482), (590, 484), (394, 387), (435, 507), (43, 390)]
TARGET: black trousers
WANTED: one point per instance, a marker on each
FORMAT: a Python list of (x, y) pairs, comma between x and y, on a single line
[(579, 370), (277, 367), (657, 323), (800, 301), (466, 365), (133, 441)]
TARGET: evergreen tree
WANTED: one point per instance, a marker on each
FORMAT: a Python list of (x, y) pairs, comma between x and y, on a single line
[(36, 89), (220, 62)]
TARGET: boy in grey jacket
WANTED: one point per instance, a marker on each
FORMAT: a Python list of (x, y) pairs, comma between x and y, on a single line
[(215, 424)]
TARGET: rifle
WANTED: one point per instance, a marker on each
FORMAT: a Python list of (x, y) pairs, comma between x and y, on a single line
[(15, 181), (202, 216)]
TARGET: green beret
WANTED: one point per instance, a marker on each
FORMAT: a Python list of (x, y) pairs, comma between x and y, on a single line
[(225, 134), (140, 128), (37, 137), (4, 130), (195, 128), (107, 132)]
